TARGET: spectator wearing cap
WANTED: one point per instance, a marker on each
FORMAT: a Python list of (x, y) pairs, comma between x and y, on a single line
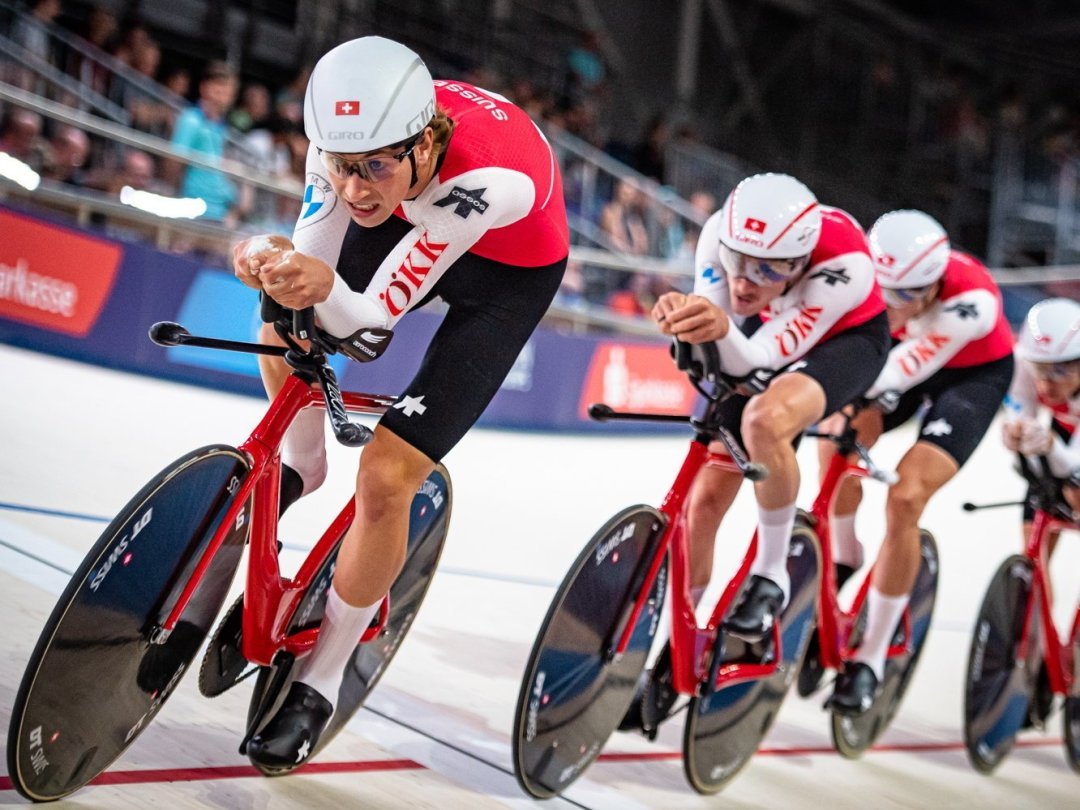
[(203, 129)]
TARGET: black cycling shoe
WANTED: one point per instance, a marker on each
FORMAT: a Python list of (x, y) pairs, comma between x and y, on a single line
[(292, 487), (811, 672), (654, 698), (855, 691), (756, 611), (293, 733)]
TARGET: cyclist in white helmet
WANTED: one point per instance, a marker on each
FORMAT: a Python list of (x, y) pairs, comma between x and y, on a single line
[(415, 189), (953, 352), (786, 289), (1048, 377)]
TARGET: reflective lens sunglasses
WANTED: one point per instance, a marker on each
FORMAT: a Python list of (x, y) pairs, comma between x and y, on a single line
[(373, 170), (1054, 372), (903, 296), (760, 272)]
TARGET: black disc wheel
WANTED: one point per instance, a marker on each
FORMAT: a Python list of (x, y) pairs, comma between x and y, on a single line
[(725, 726), (1071, 715), (429, 521), (852, 736), (575, 690), (1000, 683), (95, 680)]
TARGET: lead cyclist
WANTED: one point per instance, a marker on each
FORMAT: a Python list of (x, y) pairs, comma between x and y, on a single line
[(415, 189)]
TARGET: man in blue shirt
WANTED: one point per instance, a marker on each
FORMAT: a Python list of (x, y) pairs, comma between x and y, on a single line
[(202, 128)]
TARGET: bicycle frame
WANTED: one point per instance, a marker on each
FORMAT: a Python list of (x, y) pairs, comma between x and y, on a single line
[(691, 643), (835, 624), (1058, 655), (270, 599)]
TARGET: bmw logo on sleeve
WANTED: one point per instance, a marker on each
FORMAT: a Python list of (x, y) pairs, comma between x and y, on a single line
[(465, 201), (319, 200)]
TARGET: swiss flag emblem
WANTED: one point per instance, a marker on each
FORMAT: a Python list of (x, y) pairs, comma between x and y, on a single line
[(346, 108), (755, 225), (886, 260)]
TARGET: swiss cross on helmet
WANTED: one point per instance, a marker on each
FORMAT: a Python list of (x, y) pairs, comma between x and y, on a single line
[(367, 94), (909, 248), (1051, 332), (771, 216)]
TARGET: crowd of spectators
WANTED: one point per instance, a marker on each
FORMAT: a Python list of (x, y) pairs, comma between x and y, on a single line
[(209, 110)]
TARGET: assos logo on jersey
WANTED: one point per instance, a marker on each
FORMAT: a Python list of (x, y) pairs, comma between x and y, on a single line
[(405, 282)]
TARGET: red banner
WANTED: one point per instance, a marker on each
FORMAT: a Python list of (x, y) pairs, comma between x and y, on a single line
[(636, 378), (52, 277)]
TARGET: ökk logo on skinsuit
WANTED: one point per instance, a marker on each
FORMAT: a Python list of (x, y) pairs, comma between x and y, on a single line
[(408, 278), (465, 201)]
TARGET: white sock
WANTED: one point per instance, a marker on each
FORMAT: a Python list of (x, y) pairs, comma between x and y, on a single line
[(342, 626), (883, 615), (304, 448), (774, 538), (846, 546)]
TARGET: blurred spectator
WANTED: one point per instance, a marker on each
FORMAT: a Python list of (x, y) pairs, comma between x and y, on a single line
[(20, 136), (31, 31), (202, 128), (705, 204), (136, 170), (622, 221), (270, 148), (66, 155), (254, 106), (133, 38), (178, 81), (289, 101), (636, 297), (148, 112), (571, 293), (99, 31), (585, 69), (649, 155)]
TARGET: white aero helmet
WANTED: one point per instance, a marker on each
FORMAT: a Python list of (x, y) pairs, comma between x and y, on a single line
[(1051, 332), (367, 94), (910, 249), (771, 216)]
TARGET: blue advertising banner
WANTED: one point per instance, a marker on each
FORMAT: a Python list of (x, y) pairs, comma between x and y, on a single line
[(75, 293)]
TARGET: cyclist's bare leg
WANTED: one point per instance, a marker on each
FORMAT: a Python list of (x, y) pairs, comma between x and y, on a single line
[(847, 549), (923, 470), (711, 496), (771, 422), (371, 556), (391, 471), (304, 448)]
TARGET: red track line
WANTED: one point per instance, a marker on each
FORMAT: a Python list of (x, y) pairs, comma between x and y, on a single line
[(161, 775), (648, 756)]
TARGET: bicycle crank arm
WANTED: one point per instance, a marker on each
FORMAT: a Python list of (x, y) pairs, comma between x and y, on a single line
[(167, 333)]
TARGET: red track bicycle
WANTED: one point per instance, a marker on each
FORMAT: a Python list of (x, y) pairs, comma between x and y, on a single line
[(140, 605), (1016, 641), (585, 665), (839, 630)]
